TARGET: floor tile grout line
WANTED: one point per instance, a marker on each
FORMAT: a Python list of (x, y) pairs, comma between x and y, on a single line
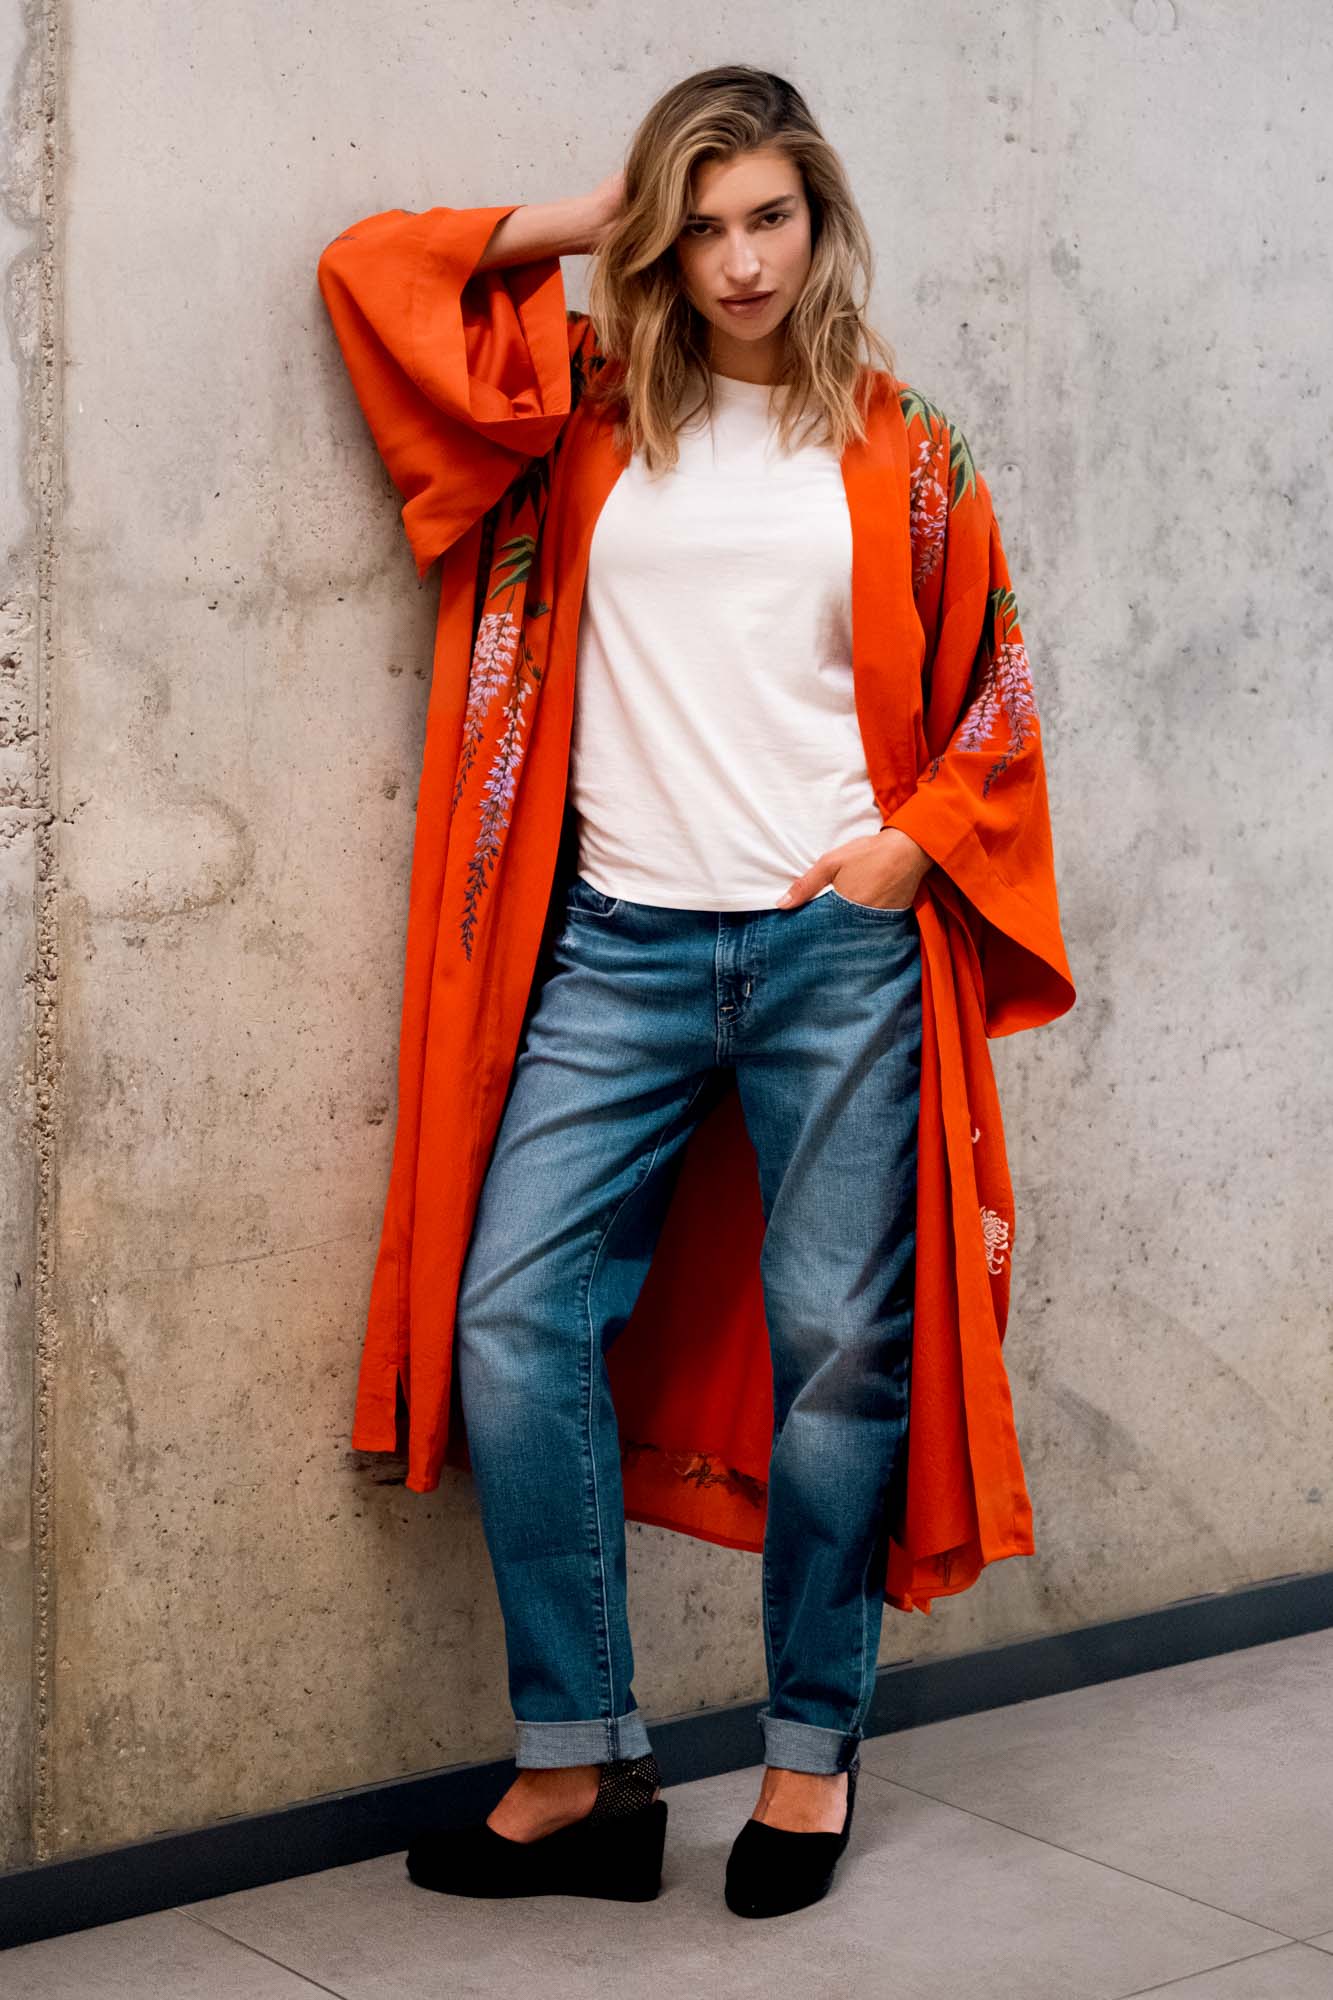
[(1078, 1855), (1141, 1992), (208, 1924)]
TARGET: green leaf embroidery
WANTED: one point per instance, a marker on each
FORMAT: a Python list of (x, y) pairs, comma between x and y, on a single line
[(518, 565), (962, 469), (919, 408)]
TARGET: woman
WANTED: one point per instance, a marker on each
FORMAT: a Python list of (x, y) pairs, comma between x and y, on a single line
[(744, 923)]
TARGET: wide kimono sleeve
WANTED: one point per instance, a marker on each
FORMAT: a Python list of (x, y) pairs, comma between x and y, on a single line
[(980, 808), (463, 375)]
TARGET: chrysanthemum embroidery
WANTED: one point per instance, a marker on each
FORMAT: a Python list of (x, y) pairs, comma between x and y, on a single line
[(995, 1230)]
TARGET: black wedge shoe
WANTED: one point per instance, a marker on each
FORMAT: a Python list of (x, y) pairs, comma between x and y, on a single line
[(614, 1851), (772, 1870)]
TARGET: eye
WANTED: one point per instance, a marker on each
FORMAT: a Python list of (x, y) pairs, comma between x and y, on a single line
[(776, 215)]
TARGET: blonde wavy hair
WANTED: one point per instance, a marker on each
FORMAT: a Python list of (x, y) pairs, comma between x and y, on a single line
[(649, 332)]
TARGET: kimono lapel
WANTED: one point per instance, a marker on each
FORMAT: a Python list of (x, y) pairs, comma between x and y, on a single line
[(587, 467), (888, 643)]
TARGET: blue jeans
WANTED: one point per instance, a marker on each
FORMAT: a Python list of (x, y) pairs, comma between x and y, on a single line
[(643, 1017)]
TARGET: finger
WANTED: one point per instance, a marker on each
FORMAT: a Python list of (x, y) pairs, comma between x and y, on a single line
[(804, 887)]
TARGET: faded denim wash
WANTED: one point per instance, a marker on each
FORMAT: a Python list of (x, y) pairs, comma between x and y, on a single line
[(643, 1016)]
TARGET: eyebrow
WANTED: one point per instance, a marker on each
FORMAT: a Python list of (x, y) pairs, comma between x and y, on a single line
[(695, 215)]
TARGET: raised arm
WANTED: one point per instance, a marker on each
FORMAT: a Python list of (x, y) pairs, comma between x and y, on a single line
[(554, 228), (455, 333)]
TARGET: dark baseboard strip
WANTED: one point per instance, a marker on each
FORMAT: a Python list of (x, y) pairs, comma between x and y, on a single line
[(110, 1884)]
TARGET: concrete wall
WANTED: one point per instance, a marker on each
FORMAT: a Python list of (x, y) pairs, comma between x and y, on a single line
[(1103, 237)]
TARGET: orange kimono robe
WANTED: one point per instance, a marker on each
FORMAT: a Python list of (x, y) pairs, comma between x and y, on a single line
[(471, 384)]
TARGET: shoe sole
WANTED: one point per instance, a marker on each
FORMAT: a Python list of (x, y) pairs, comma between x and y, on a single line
[(579, 1860)]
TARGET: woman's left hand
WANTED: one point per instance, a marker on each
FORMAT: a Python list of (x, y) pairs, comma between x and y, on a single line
[(884, 869)]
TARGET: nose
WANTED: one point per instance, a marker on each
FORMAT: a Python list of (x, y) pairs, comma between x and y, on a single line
[(740, 266)]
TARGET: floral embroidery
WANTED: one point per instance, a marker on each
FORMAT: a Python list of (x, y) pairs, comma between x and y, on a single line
[(935, 489), (929, 509), (1002, 709), (1005, 690), (492, 657), (1004, 705), (503, 671), (962, 466), (928, 499), (502, 665), (995, 1230)]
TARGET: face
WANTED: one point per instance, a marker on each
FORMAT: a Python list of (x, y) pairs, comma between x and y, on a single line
[(746, 236)]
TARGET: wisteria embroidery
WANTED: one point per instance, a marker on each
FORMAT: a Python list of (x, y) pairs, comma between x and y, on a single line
[(492, 660), (1005, 691), (936, 487), (1004, 708), (917, 408), (503, 671), (929, 510), (502, 668)]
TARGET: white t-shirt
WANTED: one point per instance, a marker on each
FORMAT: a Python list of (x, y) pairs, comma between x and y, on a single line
[(716, 751)]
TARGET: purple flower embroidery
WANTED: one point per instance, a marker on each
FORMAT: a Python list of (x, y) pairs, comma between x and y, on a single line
[(492, 660), (502, 665), (929, 514), (1003, 709), (497, 799), (1004, 701)]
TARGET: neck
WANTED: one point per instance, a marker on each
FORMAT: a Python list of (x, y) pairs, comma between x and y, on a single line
[(758, 361)]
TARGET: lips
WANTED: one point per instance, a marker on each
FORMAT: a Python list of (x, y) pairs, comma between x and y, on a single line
[(747, 299)]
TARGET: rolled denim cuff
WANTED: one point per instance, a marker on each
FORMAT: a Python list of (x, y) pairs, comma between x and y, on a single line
[(805, 1746), (543, 1745)]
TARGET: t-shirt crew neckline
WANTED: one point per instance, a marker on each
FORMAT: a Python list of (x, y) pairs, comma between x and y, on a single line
[(733, 385)]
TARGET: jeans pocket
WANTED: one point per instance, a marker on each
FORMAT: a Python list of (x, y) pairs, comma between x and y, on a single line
[(587, 900), (869, 909)]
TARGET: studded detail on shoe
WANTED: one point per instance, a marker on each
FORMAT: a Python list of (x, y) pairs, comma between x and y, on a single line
[(625, 1786)]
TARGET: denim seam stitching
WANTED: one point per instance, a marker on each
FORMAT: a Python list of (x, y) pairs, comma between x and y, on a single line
[(591, 1344)]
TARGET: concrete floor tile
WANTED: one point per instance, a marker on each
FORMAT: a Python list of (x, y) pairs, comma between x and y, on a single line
[(1291, 1972), (929, 1904), (1213, 1778), (165, 1956)]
